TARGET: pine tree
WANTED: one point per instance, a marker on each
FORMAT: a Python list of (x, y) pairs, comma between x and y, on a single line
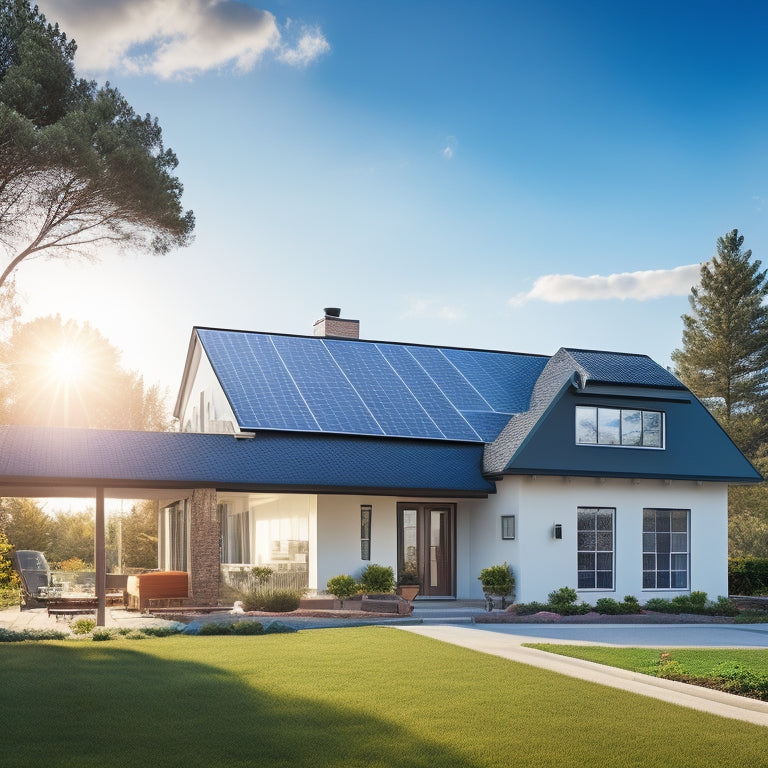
[(724, 359)]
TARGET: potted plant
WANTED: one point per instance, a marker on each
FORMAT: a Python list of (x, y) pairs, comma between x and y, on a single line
[(408, 583), (497, 581)]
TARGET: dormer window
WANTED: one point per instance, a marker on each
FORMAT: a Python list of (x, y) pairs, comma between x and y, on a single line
[(626, 427)]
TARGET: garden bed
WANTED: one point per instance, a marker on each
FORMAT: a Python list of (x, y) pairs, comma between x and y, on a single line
[(647, 617)]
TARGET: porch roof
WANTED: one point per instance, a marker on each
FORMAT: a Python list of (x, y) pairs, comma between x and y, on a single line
[(57, 461)]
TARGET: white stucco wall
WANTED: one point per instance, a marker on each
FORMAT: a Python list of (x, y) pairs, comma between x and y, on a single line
[(542, 564), (338, 535)]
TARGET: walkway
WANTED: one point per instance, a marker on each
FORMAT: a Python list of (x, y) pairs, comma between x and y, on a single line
[(506, 641)]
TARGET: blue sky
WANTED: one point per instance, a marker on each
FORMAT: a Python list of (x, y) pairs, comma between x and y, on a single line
[(506, 175)]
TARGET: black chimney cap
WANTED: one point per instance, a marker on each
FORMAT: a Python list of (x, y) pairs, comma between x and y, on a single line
[(332, 311)]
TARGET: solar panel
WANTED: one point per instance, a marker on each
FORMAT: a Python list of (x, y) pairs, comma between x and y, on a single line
[(309, 384), (391, 402)]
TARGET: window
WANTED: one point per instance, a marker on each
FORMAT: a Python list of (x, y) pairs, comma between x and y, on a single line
[(235, 535), (365, 531), (665, 548), (507, 526), (627, 427), (595, 547)]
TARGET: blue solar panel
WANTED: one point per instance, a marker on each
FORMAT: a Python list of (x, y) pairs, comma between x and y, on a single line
[(487, 423), (450, 422), (451, 382), (308, 384), (392, 404), (256, 382), (504, 380), (331, 398)]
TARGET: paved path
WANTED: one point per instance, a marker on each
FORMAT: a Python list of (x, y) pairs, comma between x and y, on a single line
[(506, 641)]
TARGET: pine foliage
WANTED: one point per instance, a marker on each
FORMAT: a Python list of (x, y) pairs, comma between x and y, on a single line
[(724, 359)]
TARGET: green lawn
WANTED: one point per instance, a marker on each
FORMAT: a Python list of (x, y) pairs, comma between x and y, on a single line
[(698, 662), (370, 696)]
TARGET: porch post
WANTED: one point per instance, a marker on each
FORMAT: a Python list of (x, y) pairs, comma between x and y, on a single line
[(204, 552), (101, 560)]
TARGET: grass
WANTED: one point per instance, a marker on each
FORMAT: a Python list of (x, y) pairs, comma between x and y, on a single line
[(737, 670), (352, 697)]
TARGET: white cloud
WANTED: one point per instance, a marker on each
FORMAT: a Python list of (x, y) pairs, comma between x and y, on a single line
[(172, 38), (310, 47), (450, 145), (640, 286), (434, 310)]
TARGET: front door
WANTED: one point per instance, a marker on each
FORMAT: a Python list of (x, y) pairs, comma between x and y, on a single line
[(425, 542)]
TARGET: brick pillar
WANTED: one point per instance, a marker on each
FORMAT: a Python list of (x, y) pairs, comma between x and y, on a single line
[(204, 548)]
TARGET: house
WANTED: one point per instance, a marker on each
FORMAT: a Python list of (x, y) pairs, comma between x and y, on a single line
[(595, 470)]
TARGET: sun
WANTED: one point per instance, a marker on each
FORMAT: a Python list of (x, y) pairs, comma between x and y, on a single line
[(66, 364)]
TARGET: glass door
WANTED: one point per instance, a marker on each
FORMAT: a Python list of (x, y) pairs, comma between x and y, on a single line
[(425, 542)]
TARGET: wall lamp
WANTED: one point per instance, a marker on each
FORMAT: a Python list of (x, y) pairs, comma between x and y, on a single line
[(557, 531)]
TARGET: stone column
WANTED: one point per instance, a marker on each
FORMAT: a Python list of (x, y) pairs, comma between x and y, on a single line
[(204, 552)]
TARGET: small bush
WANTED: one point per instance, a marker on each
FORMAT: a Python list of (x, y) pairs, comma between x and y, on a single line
[(497, 580), (659, 604), (631, 604), (609, 607), (215, 628), (247, 628), (275, 601), (12, 636), (342, 586), (528, 609), (563, 601), (9, 596), (161, 631), (377, 579), (101, 634), (82, 626), (136, 634), (748, 576)]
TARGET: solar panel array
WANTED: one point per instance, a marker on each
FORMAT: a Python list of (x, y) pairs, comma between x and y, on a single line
[(308, 384)]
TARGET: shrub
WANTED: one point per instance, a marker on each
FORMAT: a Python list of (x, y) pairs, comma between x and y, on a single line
[(247, 628), (275, 601), (215, 628), (9, 596), (282, 600), (528, 609), (631, 604), (659, 604), (12, 636), (377, 578), (748, 576), (82, 626), (101, 634), (342, 587), (563, 601), (162, 631), (497, 580), (609, 606)]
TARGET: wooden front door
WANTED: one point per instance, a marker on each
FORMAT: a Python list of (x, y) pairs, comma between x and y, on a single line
[(426, 541)]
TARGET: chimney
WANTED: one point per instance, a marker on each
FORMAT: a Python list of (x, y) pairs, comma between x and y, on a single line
[(333, 326)]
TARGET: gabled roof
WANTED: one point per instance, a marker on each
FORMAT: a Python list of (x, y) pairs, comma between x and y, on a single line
[(380, 389), (59, 457), (542, 440)]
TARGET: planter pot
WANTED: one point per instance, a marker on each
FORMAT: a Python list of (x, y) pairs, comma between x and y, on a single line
[(408, 591)]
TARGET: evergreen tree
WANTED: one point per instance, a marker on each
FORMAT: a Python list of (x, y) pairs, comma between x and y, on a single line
[(724, 359)]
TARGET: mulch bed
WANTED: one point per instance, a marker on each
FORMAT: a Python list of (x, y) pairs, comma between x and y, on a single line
[(647, 617)]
